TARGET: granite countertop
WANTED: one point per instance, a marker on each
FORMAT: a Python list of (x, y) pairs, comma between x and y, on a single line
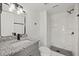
[(10, 47)]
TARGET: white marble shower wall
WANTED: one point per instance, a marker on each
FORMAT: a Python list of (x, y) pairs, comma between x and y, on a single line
[(60, 28)]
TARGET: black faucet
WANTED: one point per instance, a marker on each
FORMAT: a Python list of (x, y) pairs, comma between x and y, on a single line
[(18, 36), (14, 34)]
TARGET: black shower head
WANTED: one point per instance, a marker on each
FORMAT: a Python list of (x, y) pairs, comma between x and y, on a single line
[(70, 11)]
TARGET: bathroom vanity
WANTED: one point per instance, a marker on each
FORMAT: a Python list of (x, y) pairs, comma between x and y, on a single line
[(23, 47), (31, 50)]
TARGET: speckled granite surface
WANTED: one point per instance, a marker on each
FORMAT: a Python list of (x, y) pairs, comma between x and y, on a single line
[(10, 47)]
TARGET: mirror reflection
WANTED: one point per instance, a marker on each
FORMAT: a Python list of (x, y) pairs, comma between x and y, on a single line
[(12, 19)]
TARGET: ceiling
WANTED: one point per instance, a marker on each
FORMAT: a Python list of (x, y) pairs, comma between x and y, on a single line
[(50, 7)]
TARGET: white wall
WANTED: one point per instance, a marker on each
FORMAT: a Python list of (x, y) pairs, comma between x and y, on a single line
[(61, 25), (78, 30), (32, 30), (77, 23), (49, 30), (43, 28)]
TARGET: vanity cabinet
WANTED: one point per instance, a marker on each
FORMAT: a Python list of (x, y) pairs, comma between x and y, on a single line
[(32, 50)]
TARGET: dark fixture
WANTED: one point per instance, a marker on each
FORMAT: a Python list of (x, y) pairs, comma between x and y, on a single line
[(19, 8), (35, 23), (70, 11), (78, 15), (45, 3), (16, 4), (0, 8), (55, 6), (18, 36), (0, 16), (57, 51), (14, 34), (72, 33)]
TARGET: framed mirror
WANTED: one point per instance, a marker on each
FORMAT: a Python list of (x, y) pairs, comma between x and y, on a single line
[(11, 22)]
